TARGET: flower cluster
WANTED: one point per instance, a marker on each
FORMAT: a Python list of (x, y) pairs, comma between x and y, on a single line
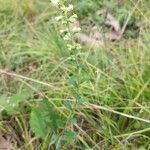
[(67, 18), (55, 2)]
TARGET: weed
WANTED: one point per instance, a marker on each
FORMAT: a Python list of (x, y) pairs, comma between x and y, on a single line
[(57, 94)]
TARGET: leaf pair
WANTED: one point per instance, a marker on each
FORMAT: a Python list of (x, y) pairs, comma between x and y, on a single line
[(76, 81)]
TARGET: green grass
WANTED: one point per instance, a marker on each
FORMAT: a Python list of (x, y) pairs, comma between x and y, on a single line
[(34, 58)]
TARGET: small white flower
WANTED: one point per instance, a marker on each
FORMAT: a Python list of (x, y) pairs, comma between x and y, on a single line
[(69, 46), (63, 8), (67, 37), (73, 18), (63, 31), (67, 9), (78, 46), (76, 29), (13, 105), (58, 18), (55, 2), (8, 100), (70, 7)]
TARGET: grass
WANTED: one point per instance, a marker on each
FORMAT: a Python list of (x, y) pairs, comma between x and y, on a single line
[(34, 58)]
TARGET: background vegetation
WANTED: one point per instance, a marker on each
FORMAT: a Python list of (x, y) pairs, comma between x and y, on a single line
[(45, 104)]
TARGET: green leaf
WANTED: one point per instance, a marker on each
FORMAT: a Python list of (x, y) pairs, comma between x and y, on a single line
[(74, 81), (80, 100), (10, 104), (22, 96), (84, 79), (69, 136), (83, 67), (38, 124), (73, 120), (45, 118), (51, 115), (67, 104)]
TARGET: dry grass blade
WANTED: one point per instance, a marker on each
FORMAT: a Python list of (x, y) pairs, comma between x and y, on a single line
[(98, 107), (26, 78), (6, 143), (132, 133)]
